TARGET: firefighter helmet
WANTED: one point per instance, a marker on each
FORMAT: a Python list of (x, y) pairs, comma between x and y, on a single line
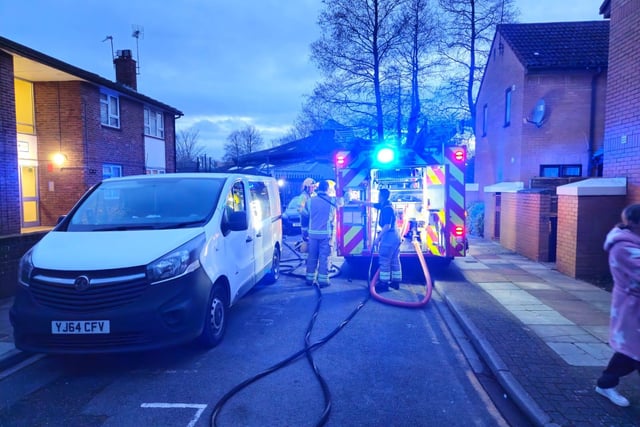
[(308, 183)]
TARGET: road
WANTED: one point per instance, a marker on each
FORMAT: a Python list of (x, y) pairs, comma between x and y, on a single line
[(387, 366)]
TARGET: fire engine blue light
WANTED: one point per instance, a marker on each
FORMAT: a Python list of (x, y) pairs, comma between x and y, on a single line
[(385, 155)]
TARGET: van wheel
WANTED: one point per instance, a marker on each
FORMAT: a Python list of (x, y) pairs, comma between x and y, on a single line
[(215, 321), (274, 274)]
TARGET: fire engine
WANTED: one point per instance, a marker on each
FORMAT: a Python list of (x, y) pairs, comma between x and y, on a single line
[(427, 193)]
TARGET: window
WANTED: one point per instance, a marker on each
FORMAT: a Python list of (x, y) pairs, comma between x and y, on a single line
[(485, 119), (111, 171), (154, 171), (507, 107), (260, 205), (109, 110), (153, 123), (560, 171)]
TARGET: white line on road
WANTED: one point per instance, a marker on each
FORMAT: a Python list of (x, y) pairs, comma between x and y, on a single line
[(15, 368), (200, 409)]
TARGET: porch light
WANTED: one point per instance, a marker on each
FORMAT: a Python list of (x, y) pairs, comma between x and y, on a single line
[(59, 159)]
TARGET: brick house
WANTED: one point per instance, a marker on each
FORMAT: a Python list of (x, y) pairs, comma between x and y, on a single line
[(541, 103), (63, 129), (622, 120), (589, 129)]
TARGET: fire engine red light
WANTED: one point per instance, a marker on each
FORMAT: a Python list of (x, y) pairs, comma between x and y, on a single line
[(458, 231), (458, 155), (340, 160)]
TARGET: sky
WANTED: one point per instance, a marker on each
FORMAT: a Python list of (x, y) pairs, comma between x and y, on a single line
[(225, 64)]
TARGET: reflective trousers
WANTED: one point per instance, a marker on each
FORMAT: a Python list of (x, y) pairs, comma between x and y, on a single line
[(389, 257), (319, 259)]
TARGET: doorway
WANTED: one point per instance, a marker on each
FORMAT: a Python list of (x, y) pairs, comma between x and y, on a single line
[(29, 197)]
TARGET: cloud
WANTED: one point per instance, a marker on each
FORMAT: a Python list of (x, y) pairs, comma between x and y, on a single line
[(214, 130)]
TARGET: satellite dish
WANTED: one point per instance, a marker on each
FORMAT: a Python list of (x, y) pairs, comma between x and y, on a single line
[(537, 115)]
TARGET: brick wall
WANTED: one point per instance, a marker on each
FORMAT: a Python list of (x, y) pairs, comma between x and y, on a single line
[(68, 120), (495, 150), (583, 222), (170, 142), (59, 125), (509, 220), (533, 213), (9, 190), (622, 125), (11, 249)]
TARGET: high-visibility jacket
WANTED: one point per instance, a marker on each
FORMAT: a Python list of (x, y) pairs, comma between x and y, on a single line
[(322, 215)]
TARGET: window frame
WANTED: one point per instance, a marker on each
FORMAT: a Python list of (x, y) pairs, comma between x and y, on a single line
[(109, 118), (507, 106), (112, 167), (154, 129), (485, 119), (561, 169)]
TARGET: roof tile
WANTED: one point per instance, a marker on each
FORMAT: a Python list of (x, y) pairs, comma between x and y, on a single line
[(559, 45)]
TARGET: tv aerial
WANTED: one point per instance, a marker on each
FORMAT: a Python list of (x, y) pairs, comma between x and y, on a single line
[(537, 115), (138, 33)]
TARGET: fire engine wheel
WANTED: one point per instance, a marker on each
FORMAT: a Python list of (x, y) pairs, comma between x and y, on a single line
[(215, 321)]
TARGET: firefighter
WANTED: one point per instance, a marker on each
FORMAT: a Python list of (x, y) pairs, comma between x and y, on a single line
[(308, 188), (322, 215), (388, 242)]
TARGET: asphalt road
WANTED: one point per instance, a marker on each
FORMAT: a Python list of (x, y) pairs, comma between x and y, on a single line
[(387, 366)]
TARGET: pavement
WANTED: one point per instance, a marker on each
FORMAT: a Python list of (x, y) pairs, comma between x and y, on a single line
[(542, 334)]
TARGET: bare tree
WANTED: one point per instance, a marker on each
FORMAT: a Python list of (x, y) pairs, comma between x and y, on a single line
[(358, 41), (423, 30), (188, 148), (471, 25), (240, 142)]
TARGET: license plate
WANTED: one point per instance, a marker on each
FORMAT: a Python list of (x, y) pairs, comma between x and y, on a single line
[(296, 224), (79, 326)]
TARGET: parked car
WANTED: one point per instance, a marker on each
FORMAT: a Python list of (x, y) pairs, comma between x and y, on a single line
[(148, 261), (291, 217)]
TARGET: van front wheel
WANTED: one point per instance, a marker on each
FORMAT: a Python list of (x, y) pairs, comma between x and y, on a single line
[(274, 274), (215, 321)]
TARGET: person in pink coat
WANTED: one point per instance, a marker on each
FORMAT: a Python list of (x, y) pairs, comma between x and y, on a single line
[(623, 245)]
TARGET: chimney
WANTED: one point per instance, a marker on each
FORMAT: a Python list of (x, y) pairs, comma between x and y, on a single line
[(126, 69)]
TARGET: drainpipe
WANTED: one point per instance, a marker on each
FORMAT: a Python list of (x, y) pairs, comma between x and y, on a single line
[(592, 121)]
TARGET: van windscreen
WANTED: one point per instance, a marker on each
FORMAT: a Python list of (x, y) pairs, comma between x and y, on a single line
[(147, 203)]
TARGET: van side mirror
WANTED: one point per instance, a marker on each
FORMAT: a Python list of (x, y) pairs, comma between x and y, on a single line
[(234, 221)]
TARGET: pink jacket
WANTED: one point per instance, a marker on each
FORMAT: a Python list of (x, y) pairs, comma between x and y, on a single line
[(624, 263)]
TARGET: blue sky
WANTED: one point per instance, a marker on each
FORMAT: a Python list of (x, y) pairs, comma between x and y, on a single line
[(224, 63)]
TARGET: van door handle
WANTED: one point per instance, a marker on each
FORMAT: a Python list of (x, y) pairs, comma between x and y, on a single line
[(259, 234), (249, 239)]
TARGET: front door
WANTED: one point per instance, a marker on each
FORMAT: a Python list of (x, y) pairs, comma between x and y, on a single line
[(29, 195)]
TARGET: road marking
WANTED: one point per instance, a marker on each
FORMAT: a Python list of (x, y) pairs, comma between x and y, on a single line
[(200, 409), (15, 368)]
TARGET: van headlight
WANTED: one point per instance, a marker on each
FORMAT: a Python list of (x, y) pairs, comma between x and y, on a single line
[(180, 261), (25, 268)]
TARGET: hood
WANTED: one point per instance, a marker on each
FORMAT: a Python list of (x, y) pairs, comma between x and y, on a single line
[(618, 234), (101, 250)]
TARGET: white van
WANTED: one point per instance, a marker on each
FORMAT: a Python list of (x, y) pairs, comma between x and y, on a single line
[(148, 261)]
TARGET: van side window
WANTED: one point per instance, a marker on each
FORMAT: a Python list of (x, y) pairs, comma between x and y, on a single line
[(235, 199), (260, 206)]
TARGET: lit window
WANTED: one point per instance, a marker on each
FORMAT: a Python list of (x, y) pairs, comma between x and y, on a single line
[(109, 110), (153, 123)]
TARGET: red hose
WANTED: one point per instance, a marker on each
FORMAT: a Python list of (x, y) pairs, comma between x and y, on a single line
[(409, 304)]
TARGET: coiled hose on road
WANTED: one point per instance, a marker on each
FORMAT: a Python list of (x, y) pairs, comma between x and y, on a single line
[(309, 347)]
